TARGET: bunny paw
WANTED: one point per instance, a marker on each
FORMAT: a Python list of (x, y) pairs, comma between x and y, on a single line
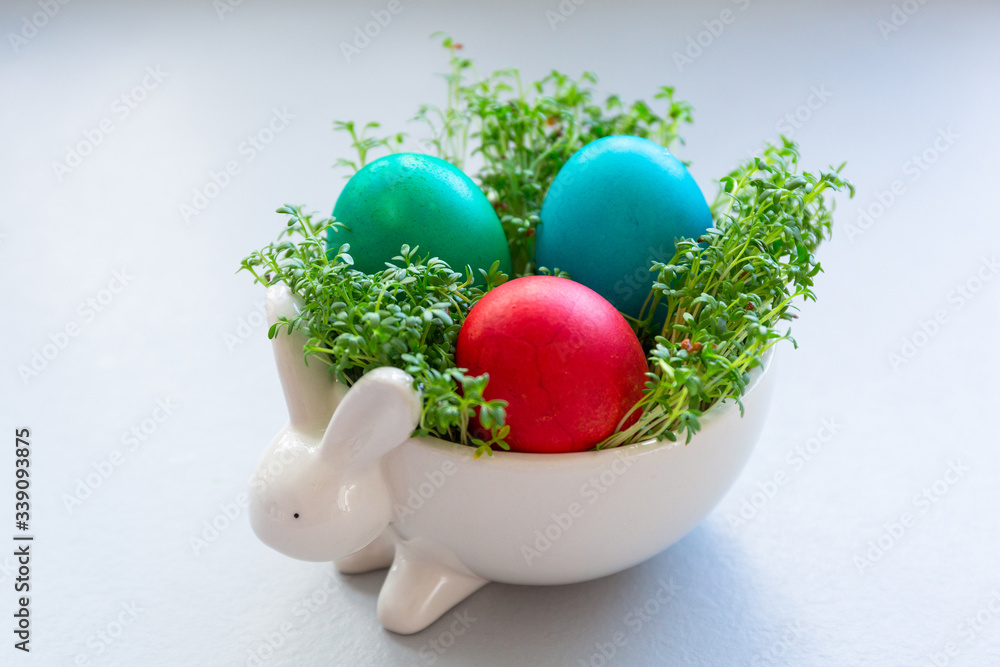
[(418, 590)]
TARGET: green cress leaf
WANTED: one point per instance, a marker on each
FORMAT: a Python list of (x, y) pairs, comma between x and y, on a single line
[(726, 293), (407, 315)]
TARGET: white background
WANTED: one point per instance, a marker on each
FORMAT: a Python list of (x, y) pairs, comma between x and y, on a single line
[(783, 588)]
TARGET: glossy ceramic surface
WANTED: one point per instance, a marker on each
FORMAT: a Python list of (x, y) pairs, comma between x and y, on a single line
[(345, 482)]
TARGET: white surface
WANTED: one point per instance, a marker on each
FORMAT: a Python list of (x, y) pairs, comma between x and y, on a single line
[(736, 589)]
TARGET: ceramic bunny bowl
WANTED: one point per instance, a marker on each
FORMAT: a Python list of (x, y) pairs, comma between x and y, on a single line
[(344, 481)]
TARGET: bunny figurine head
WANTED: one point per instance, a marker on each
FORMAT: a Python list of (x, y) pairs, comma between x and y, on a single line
[(319, 493)]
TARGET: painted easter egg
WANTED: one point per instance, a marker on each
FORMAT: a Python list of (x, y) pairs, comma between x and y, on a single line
[(616, 206), (419, 200), (567, 363)]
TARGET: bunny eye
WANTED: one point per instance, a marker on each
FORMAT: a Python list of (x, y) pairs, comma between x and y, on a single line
[(296, 515)]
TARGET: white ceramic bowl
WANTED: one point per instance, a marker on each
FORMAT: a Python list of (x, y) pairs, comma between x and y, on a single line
[(563, 518), (345, 482)]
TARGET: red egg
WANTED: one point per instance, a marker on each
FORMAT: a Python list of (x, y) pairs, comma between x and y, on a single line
[(567, 363)]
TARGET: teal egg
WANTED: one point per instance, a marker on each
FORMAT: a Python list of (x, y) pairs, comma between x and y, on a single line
[(617, 205), (418, 200)]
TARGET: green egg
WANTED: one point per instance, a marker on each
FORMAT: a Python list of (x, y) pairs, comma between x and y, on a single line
[(418, 200)]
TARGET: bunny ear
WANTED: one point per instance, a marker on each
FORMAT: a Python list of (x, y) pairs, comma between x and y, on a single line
[(311, 394), (377, 414)]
